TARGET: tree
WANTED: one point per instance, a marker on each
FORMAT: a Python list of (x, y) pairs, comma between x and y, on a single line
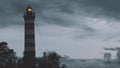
[(50, 60), (7, 55)]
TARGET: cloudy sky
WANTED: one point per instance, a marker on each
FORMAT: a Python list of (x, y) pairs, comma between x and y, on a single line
[(78, 28)]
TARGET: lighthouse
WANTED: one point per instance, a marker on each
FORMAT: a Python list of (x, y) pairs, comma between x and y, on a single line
[(29, 36)]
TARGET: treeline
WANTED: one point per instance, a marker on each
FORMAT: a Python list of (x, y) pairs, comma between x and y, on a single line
[(8, 59)]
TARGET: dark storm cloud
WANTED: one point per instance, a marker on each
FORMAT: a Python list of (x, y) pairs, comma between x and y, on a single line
[(53, 11), (108, 5), (109, 8), (10, 12)]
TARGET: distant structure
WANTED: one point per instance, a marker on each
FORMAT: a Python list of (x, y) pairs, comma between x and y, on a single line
[(118, 52), (107, 57), (29, 51), (118, 56)]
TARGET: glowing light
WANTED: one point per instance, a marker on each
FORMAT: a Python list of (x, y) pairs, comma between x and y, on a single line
[(29, 9)]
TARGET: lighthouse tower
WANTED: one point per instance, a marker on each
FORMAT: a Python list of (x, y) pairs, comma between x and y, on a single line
[(29, 51)]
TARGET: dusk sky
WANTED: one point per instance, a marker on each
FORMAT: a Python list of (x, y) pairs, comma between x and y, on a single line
[(77, 28)]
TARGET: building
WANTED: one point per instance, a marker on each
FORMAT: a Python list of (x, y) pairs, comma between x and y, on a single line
[(29, 51), (107, 57)]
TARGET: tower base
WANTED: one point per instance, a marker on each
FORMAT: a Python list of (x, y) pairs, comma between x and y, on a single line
[(29, 60)]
